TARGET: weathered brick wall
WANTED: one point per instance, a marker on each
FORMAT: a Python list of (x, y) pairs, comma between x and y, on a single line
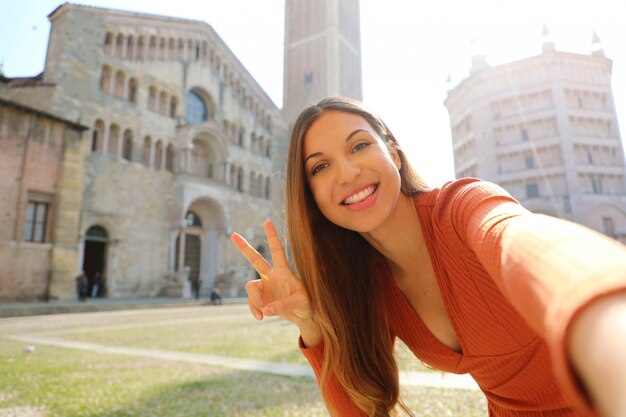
[(24, 270)]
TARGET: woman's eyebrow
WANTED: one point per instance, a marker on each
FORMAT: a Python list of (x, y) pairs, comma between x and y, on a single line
[(347, 139)]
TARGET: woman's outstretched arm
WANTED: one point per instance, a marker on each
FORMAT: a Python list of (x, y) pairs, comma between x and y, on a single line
[(567, 281)]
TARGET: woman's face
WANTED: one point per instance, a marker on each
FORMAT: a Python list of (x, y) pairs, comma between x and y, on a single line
[(353, 174)]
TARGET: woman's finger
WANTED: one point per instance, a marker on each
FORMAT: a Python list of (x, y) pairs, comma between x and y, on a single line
[(276, 249), (255, 298), (258, 262)]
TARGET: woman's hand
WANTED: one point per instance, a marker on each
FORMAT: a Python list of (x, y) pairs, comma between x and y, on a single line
[(597, 348), (279, 292)]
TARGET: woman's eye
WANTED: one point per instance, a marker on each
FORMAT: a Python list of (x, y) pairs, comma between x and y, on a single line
[(317, 168), (360, 146)]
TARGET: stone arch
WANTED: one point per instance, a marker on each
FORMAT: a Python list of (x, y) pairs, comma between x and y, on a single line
[(94, 256), (153, 47), (169, 158), (233, 176), (108, 42), (162, 48), (147, 151), (119, 45), (158, 154), (97, 138), (181, 49), (114, 138), (200, 106), (130, 47), (200, 242), (163, 103), (152, 98), (127, 148), (173, 106), (268, 188), (106, 79), (240, 179), (172, 48), (140, 47), (119, 84), (201, 158), (132, 90), (206, 144)]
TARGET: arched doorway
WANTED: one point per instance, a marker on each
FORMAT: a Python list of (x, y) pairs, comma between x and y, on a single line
[(198, 252), (94, 257), (192, 248)]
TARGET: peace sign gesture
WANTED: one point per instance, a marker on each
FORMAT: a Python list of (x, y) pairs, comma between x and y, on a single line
[(279, 292)]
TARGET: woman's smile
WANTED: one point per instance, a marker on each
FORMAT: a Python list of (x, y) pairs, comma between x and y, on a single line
[(362, 199)]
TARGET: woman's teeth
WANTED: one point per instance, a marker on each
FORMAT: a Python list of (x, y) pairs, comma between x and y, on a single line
[(360, 196)]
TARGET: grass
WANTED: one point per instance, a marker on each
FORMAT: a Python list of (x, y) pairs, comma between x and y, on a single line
[(61, 382)]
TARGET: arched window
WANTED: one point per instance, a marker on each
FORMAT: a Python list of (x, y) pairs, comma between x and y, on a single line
[(252, 141), (205, 50), (130, 47), (163, 103), (181, 49), (97, 136), (169, 158), (172, 52), (120, 81), (119, 45), (152, 48), (132, 90), (233, 176), (127, 149), (158, 154), (241, 136), (196, 111), (253, 184), (152, 97), (173, 106), (108, 42), (140, 48), (162, 48), (240, 179), (114, 138), (147, 150), (105, 79)]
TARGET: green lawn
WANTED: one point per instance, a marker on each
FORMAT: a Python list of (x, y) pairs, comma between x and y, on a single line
[(54, 381)]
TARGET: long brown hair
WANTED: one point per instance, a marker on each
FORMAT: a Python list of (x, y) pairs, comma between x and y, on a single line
[(342, 273)]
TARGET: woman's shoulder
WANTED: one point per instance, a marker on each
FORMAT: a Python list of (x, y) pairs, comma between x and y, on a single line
[(462, 189)]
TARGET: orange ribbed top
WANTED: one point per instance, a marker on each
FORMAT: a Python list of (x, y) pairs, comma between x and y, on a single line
[(511, 283)]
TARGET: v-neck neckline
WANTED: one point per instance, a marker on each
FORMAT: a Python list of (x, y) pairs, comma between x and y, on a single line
[(451, 356)]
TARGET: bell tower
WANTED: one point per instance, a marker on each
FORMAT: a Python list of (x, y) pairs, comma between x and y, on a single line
[(322, 52)]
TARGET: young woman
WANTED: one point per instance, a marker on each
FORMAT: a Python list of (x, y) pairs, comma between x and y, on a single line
[(533, 307)]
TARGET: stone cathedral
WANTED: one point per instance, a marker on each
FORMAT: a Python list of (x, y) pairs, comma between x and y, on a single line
[(145, 143)]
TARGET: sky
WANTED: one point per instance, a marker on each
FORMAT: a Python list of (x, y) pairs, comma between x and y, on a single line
[(408, 50)]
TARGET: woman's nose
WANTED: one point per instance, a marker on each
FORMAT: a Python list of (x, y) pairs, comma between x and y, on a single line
[(347, 171)]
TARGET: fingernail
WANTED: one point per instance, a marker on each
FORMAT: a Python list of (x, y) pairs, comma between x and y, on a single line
[(269, 311)]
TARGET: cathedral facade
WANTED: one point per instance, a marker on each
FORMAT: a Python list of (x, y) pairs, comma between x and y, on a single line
[(179, 152), (168, 146)]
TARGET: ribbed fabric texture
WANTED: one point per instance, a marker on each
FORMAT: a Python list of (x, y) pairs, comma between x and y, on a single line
[(511, 282)]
